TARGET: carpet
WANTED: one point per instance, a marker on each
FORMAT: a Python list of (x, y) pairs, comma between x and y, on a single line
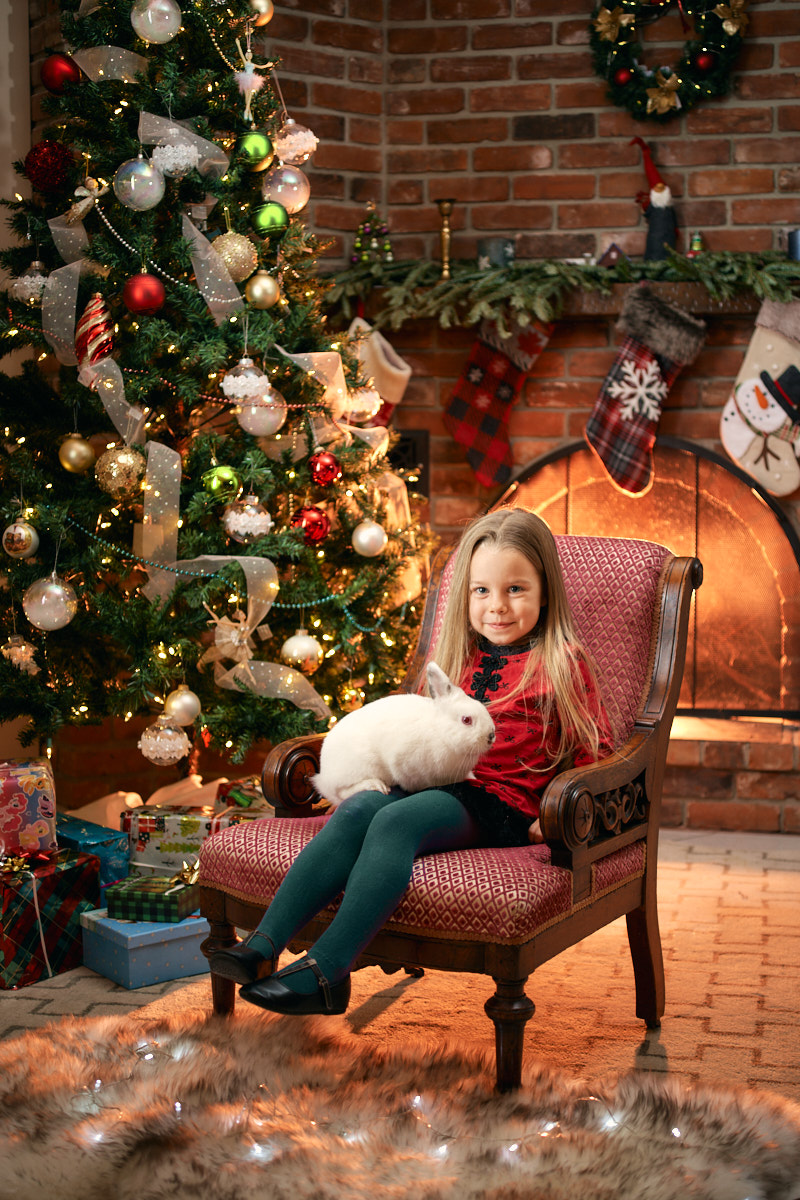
[(183, 1104)]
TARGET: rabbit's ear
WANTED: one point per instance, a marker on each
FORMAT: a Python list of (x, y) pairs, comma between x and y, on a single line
[(438, 682)]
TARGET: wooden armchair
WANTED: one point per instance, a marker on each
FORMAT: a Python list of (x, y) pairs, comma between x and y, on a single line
[(503, 912)]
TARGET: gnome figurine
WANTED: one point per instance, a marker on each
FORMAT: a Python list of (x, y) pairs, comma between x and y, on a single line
[(662, 226)]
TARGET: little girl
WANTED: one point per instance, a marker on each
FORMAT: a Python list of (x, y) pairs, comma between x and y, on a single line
[(507, 638)]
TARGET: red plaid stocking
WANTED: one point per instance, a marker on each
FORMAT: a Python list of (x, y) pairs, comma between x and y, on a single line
[(478, 410), (660, 340)]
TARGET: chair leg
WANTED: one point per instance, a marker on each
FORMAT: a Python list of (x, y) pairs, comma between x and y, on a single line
[(648, 964), (221, 936), (510, 1010)]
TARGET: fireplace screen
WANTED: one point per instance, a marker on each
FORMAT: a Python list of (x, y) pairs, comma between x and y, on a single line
[(743, 656)]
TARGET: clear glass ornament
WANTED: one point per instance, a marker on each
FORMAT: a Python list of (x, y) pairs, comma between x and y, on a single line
[(294, 143), (246, 520), (20, 539), (164, 742), (175, 158), (156, 20), (138, 184), (265, 416), (50, 603), (288, 186), (302, 651), (182, 705), (369, 539), (364, 403), (245, 381), (29, 288)]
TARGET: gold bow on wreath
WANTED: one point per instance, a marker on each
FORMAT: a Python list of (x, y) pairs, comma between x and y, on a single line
[(662, 98)]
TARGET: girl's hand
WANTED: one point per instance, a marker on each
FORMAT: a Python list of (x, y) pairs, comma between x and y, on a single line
[(535, 832)]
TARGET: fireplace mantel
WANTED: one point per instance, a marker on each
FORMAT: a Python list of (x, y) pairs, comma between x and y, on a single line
[(691, 296)]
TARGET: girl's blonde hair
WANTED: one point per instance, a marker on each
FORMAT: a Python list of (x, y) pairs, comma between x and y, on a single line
[(555, 654)]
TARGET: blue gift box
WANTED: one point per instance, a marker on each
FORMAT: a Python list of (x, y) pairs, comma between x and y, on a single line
[(137, 953), (109, 845)]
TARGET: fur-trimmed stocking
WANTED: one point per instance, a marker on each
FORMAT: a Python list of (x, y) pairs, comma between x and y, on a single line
[(660, 339), (478, 410)]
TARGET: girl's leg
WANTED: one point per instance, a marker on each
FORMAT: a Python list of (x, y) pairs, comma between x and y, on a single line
[(418, 824), (319, 873)]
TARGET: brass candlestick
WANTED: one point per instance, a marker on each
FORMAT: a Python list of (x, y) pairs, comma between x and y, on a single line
[(445, 208)]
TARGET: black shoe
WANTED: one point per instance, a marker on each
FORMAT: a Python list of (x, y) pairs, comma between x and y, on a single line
[(243, 963), (328, 999)]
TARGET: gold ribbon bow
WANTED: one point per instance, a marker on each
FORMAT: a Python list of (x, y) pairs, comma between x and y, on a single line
[(733, 17), (188, 874), (15, 864), (664, 97), (609, 22)]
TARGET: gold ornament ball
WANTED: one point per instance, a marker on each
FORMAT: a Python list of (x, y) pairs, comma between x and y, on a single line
[(76, 454), (120, 470), (350, 697), (262, 291), (263, 10), (238, 253)]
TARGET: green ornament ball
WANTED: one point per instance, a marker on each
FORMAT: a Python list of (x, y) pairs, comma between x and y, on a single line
[(271, 219), (257, 149), (222, 482)]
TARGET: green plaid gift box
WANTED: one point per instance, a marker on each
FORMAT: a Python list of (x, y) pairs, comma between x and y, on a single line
[(152, 898)]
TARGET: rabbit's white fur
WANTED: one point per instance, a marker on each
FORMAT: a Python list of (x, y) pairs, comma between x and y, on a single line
[(407, 741)]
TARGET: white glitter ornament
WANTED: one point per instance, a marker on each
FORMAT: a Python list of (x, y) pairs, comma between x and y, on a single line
[(164, 742), (175, 158), (29, 288), (245, 381), (302, 651), (182, 705), (238, 253), (20, 540), (20, 653), (294, 143), (246, 520), (288, 186), (50, 603), (138, 184), (156, 20), (369, 539)]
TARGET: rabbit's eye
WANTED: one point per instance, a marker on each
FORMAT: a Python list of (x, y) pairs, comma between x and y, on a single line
[(466, 720)]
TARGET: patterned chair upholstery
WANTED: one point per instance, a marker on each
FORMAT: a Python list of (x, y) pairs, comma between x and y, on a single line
[(502, 912)]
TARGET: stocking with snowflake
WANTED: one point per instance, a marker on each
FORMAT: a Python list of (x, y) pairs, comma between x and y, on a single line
[(659, 340), (479, 407)]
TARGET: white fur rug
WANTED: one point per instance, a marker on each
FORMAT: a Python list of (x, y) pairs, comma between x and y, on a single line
[(287, 1109)]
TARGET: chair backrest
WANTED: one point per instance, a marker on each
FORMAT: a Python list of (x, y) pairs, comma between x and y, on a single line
[(613, 586)]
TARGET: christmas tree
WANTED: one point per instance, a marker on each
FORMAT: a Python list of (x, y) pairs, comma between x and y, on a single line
[(198, 522)]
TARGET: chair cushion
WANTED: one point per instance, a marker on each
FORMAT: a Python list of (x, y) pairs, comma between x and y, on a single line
[(501, 895)]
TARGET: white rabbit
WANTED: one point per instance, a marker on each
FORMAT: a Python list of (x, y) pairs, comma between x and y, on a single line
[(407, 741)]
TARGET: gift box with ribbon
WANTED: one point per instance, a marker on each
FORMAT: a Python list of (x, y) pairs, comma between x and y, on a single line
[(160, 839), (136, 954), (243, 795), (27, 806), (155, 897), (41, 902), (110, 846)]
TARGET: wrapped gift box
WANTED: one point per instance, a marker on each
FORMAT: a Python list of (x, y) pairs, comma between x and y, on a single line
[(62, 888), (244, 794), (135, 954), (109, 845), (27, 806), (152, 898), (161, 839)]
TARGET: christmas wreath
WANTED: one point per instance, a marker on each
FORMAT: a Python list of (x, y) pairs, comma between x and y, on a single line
[(702, 70)]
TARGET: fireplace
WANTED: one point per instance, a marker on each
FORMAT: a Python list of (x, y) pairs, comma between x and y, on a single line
[(743, 656)]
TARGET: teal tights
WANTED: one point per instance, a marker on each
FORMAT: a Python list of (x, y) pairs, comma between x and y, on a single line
[(366, 849)]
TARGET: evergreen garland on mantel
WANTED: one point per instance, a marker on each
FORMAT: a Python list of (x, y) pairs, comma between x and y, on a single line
[(540, 288)]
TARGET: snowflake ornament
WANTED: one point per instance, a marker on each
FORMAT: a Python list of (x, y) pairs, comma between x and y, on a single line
[(640, 390)]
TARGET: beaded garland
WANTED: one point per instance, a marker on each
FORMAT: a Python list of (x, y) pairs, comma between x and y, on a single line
[(703, 69)]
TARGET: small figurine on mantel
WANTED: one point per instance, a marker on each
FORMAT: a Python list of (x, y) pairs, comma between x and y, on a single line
[(662, 225)]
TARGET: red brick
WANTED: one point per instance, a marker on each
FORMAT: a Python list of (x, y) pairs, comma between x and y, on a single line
[(513, 216), (522, 97), (365, 70), (578, 216), (729, 183), (369, 133), (554, 187), (407, 70), (580, 95), (595, 154), (711, 814), (425, 100), (299, 60), (775, 24), (692, 152), (346, 99), (416, 162), (405, 131), (498, 37), (771, 756), (407, 10), (346, 35), (683, 753), (463, 68), (789, 54), (768, 87), (735, 121), (485, 129), (760, 212), (766, 785), (767, 150), (348, 158), (791, 818), (723, 754), (482, 188), (555, 66), (469, 10), (700, 783), (512, 158), (789, 117), (555, 245), (449, 39)]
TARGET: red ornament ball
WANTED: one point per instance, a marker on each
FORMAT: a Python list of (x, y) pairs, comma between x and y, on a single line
[(57, 71), (622, 76), (705, 60), (48, 165), (314, 523), (324, 468), (143, 294)]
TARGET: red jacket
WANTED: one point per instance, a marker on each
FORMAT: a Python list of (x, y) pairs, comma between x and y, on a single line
[(520, 764)]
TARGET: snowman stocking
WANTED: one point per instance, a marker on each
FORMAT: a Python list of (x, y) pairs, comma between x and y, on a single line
[(660, 339), (481, 402), (760, 427)]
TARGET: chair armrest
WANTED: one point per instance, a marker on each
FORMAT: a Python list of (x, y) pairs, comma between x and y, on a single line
[(598, 808), (286, 775)]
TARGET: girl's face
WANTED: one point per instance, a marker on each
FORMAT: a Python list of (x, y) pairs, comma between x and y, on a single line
[(506, 594)]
